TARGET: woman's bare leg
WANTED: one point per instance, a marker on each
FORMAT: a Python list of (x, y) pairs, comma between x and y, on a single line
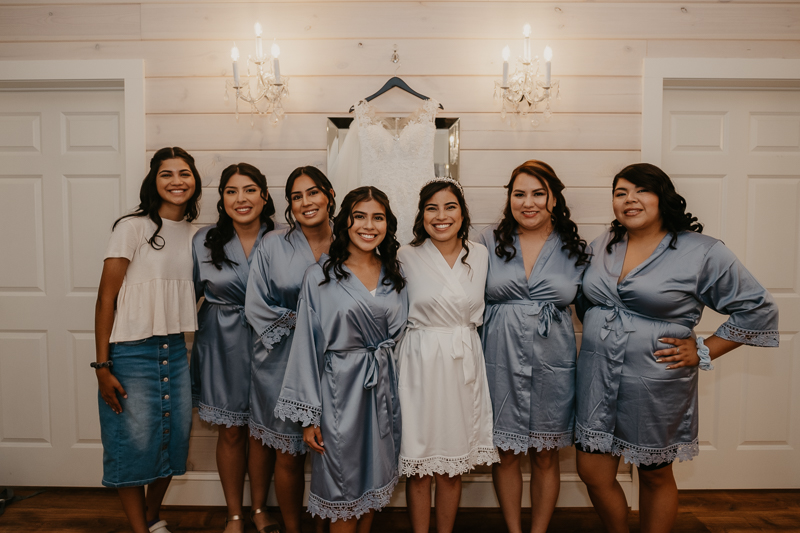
[(599, 472), (231, 465), (289, 485), (658, 500), (132, 499), (418, 498), (545, 485), (507, 479), (447, 498), (260, 466)]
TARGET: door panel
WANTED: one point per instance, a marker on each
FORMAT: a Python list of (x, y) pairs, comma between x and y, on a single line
[(735, 157), (61, 187)]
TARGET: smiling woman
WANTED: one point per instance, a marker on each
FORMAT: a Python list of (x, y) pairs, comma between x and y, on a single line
[(351, 309), (223, 346), (145, 303)]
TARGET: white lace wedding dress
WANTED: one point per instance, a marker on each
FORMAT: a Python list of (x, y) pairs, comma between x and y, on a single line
[(396, 156)]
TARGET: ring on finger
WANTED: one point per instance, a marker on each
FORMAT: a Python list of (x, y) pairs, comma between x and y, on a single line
[(677, 350)]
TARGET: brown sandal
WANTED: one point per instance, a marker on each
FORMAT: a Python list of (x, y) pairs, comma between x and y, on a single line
[(271, 528)]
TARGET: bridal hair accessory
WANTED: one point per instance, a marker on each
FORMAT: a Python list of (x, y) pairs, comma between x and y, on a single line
[(451, 181)]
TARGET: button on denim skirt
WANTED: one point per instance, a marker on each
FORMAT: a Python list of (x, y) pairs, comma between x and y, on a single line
[(150, 438)]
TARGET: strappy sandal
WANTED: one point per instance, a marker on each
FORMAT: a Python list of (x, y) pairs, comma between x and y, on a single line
[(271, 528), (233, 518)]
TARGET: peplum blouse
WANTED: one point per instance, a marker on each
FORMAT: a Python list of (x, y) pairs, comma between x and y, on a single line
[(157, 294)]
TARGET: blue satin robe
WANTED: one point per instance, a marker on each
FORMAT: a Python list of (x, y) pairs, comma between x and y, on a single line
[(342, 377), (271, 305), (223, 344), (529, 344), (627, 403)]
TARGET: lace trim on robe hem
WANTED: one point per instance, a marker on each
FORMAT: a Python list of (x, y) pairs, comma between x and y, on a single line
[(452, 466), (539, 440), (638, 455), (221, 417), (279, 329), (372, 500), (593, 440), (290, 444), (633, 454), (746, 336), (302, 413)]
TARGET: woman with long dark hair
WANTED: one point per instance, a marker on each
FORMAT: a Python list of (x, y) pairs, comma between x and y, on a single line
[(145, 303), (223, 345), (271, 307), (650, 278), (447, 414), (536, 259), (341, 383)]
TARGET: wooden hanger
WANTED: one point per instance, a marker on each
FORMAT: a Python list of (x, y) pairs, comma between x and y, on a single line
[(391, 84)]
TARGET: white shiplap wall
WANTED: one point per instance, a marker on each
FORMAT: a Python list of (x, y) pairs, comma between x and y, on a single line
[(337, 52)]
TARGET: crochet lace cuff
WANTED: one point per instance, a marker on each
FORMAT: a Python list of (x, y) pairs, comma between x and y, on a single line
[(302, 413), (746, 336), (279, 329)]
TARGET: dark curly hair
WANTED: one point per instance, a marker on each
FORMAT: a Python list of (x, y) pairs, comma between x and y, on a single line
[(218, 236), (320, 180), (560, 216), (671, 205), (150, 200), (425, 194), (386, 251)]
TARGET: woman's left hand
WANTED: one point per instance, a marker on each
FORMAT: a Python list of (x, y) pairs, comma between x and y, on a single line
[(684, 353)]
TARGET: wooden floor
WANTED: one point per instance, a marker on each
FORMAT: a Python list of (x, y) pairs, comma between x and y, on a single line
[(98, 510)]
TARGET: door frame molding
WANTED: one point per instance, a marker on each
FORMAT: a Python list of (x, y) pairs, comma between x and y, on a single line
[(128, 71), (714, 70)]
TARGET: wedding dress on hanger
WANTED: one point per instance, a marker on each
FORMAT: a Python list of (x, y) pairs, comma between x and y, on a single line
[(394, 155)]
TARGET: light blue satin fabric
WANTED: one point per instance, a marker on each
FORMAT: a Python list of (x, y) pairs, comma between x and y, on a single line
[(271, 305), (529, 345), (627, 403), (341, 376), (223, 344)]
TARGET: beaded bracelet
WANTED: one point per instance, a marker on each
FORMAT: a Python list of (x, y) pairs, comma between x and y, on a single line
[(106, 364), (704, 354)]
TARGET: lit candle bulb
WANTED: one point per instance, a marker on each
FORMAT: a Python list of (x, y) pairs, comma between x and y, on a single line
[(506, 55), (235, 57), (276, 66), (548, 55), (526, 51), (259, 47)]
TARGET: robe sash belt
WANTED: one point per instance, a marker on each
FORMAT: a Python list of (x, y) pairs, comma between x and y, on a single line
[(618, 319), (460, 338), (547, 311), (239, 308), (379, 365)]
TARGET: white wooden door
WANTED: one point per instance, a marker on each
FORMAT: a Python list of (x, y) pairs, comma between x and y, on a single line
[(735, 157), (61, 187)]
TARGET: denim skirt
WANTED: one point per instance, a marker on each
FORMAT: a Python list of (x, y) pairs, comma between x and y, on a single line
[(150, 438)]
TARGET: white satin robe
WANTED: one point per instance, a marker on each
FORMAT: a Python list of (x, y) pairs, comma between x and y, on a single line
[(444, 394)]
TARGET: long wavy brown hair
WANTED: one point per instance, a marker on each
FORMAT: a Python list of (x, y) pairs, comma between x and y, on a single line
[(560, 215)]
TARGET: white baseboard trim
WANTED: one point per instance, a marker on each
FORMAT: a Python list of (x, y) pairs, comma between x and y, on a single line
[(203, 488)]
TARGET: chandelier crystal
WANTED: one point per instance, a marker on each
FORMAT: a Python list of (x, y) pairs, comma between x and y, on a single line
[(264, 89), (528, 89)]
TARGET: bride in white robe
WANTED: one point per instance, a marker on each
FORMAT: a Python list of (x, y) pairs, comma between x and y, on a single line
[(443, 390)]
